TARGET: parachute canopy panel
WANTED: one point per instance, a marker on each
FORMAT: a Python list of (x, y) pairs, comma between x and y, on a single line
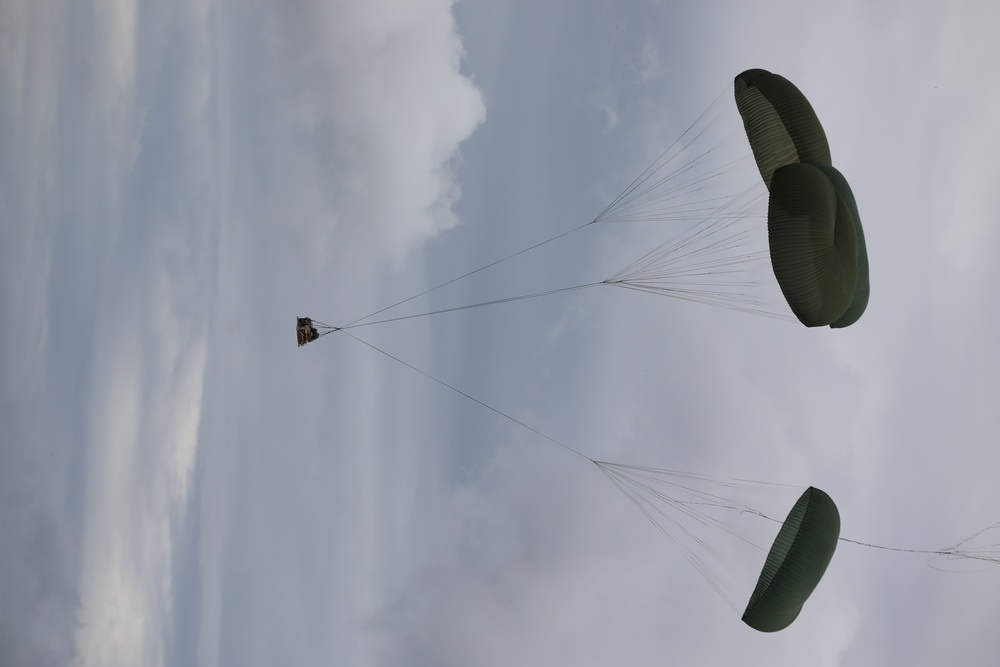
[(780, 123), (797, 561)]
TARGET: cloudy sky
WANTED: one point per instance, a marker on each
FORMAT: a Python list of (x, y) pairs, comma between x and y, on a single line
[(181, 485)]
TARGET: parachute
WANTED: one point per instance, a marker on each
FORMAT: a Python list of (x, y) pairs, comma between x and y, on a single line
[(796, 562), (724, 526), (716, 196), (817, 244)]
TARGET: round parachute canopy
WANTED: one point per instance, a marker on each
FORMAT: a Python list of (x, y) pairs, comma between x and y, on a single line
[(798, 558), (817, 245), (813, 243)]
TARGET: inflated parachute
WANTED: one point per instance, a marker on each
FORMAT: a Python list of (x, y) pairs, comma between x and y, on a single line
[(795, 563), (816, 242), (724, 528)]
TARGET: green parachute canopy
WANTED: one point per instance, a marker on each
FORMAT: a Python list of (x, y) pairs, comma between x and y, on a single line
[(817, 245), (814, 244), (797, 561)]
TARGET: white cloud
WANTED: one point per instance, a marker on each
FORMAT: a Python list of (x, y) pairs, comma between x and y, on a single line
[(355, 112)]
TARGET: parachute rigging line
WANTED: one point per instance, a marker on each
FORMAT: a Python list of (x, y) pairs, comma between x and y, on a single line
[(629, 194), (649, 199), (324, 329), (712, 262), (464, 275), (468, 396), (692, 511), (494, 302), (961, 550)]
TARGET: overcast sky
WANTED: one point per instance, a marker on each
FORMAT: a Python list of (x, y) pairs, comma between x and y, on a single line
[(181, 485)]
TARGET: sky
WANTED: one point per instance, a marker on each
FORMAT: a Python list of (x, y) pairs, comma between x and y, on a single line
[(181, 485)]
